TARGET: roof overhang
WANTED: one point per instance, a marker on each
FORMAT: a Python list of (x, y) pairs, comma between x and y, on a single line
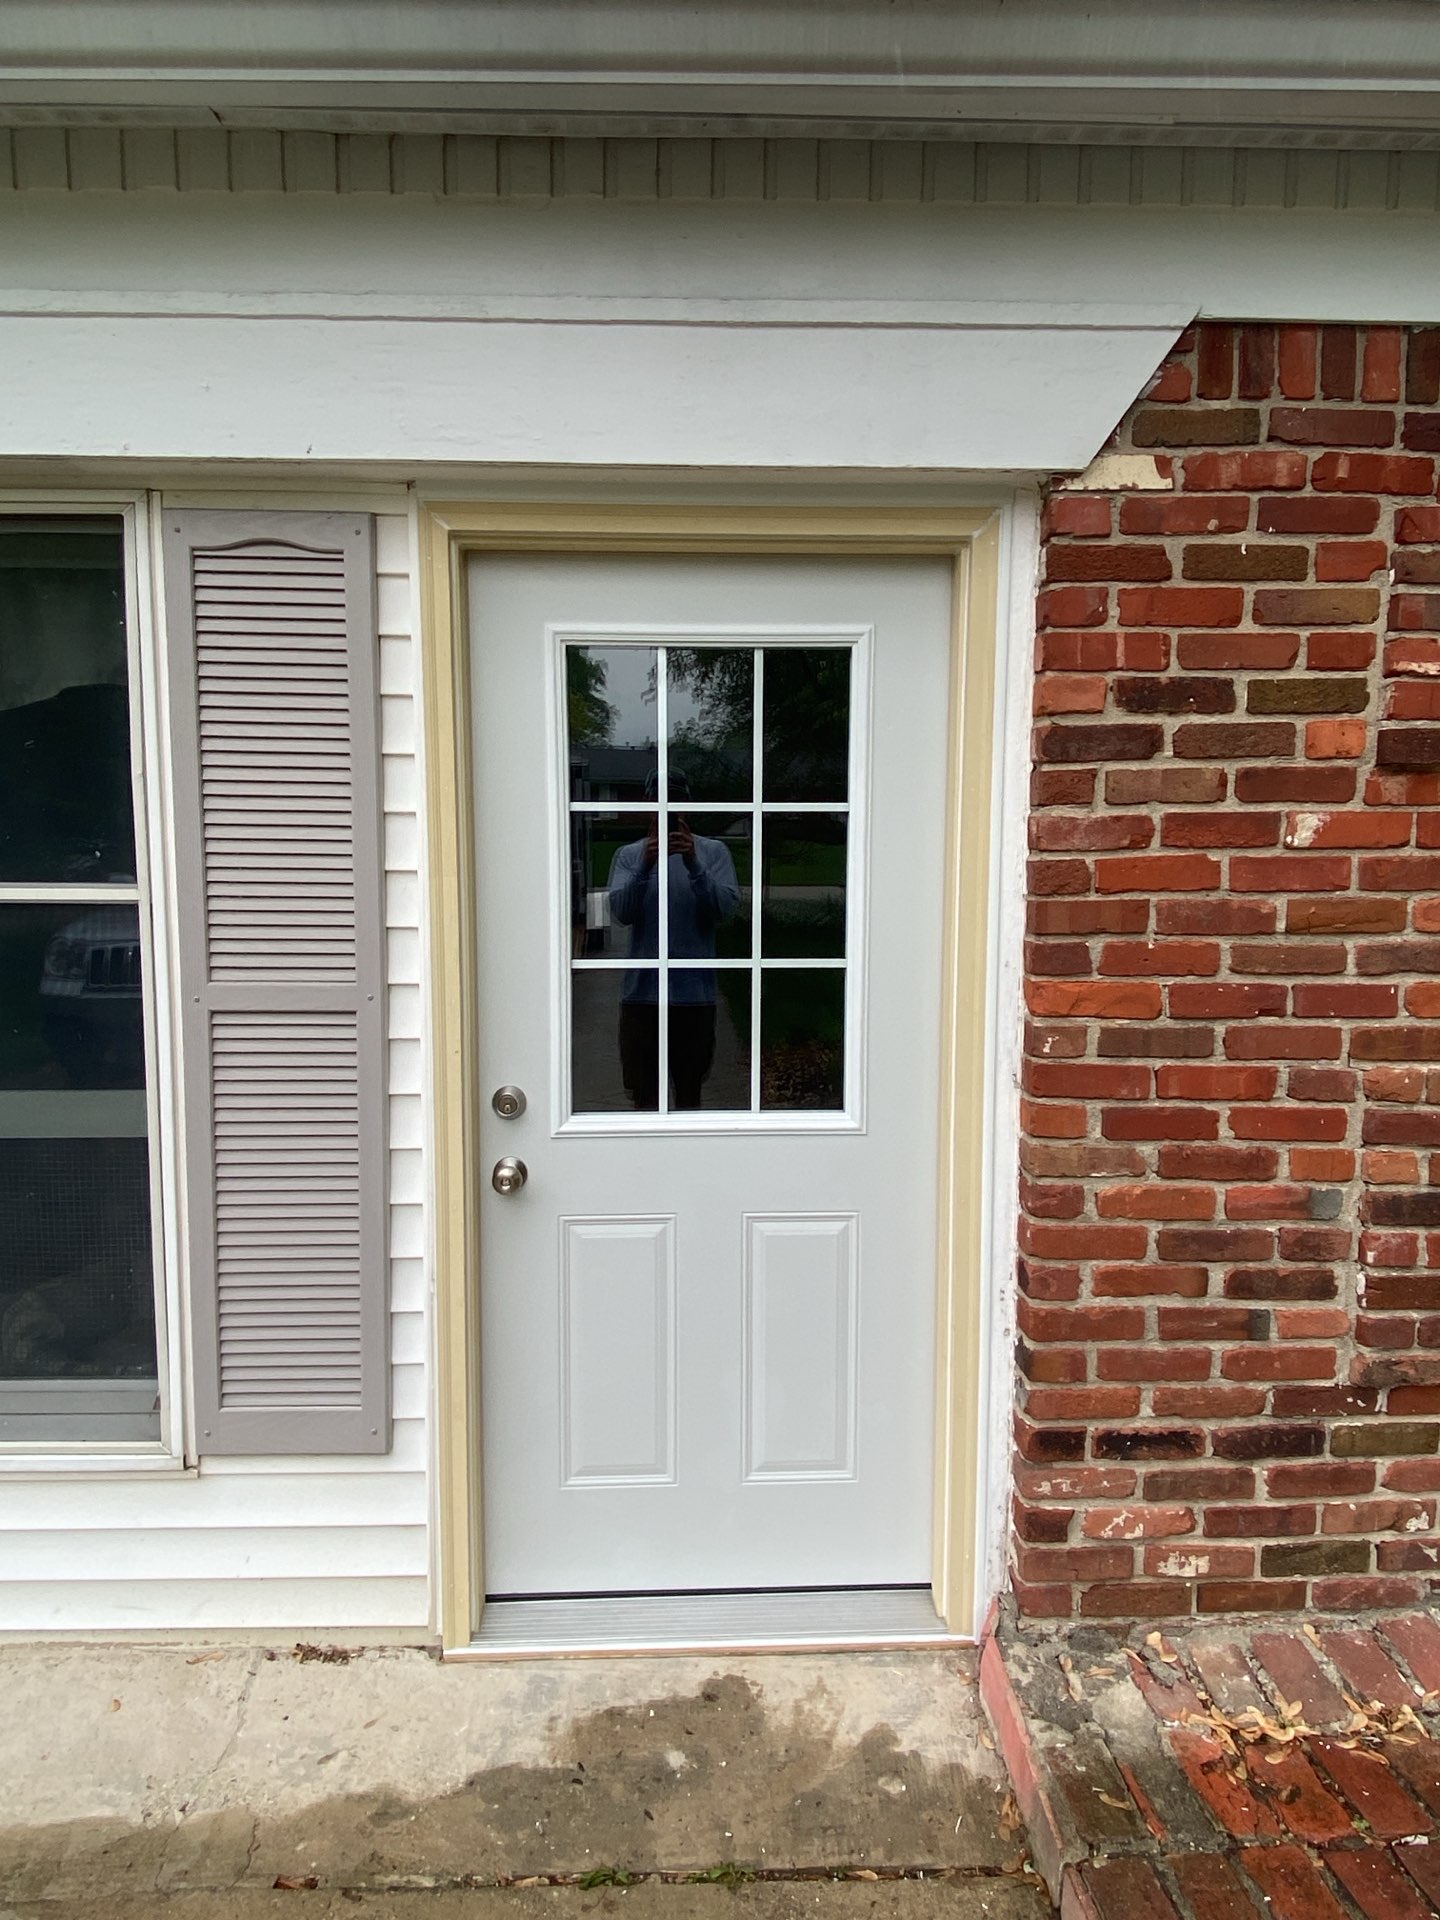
[(1254, 72)]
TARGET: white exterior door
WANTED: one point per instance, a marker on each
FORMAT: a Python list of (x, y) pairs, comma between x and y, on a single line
[(712, 787)]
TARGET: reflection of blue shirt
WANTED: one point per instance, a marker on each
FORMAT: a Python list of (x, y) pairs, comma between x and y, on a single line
[(700, 899)]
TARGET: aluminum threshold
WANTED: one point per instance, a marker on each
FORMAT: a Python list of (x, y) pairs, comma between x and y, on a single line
[(673, 1623)]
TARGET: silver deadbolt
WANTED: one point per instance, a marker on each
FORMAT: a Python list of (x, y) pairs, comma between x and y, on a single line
[(508, 1102), (508, 1175)]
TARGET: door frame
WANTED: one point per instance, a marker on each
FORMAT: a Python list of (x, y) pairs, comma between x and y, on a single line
[(972, 536)]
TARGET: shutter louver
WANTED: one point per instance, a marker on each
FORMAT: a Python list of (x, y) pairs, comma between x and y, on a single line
[(275, 713)]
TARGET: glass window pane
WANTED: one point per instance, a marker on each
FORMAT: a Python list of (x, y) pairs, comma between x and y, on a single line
[(710, 894), (802, 914), (610, 706), (612, 865), (806, 703), (802, 1039), (612, 1040), (710, 1039), (65, 805), (712, 722), (76, 1291)]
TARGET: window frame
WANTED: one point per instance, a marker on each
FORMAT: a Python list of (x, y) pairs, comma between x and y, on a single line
[(153, 893)]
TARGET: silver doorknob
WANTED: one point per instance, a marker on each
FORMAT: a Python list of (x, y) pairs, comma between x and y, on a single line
[(508, 1102), (508, 1175)]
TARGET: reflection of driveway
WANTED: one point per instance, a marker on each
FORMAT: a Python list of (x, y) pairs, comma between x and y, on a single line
[(599, 1087)]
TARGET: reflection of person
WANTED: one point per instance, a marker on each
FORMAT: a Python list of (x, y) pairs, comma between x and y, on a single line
[(704, 892)]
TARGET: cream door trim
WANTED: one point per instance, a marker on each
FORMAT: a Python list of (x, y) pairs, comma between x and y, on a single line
[(970, 536)]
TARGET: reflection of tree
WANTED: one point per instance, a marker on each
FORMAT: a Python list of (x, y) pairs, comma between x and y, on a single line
[(807, 718), (591, 715)]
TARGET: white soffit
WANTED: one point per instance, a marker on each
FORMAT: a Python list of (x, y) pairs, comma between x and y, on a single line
[(819, 395)]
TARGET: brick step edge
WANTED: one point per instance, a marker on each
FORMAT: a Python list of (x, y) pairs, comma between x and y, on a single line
[(1056, 1844)]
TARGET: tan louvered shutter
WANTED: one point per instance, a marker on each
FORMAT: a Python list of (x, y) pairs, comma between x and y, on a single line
[(274, 708)]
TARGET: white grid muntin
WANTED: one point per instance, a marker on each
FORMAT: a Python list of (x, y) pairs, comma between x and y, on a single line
[(859, 639)]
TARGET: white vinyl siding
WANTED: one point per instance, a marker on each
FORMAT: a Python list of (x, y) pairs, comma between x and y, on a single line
[(287, 1543)]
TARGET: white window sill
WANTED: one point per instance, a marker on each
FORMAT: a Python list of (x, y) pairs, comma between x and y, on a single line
[(81, 1460)]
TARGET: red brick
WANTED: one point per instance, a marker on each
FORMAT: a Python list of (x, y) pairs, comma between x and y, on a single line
[(1333, 426), (1215, 1083), (1154, 1363), (1107, 999), (1186, 916), (1338, 365), (1082, 1241), (1158, 873), (1279, 1363), (1267, 1203), (1350, 559), (1283, 1043), (1319, 830), (1321, 1083), (1062, 786), (1190, 1560), (1246, 472), (1307, 514), (1226, 1000), (1268, 1522), (1322, 1163), (1076, 606), (1077, 513), (1417, 525), (1344, 1000), (1316, 786), (1377, 1885), (1237, 652), (1159, 513), (1064, 833), (1339, 652), (1234, 740), (1215, 361), (1074, 741), (1291, 1884), (1075, 1563), (1082, 1403), (1086, 1080), (1412, 700), (1220, 829), (1117, 560), (1053, 1122), (1380, 375), (1297, 357), (1169, 786), (1070, 693), (1347, 915), (1297, 873), (1181, 606), (1160, 1123), (1278, 956), (1372, 473), (1221, 1162), (1422, 366), (1132, 958), (1087, 916), (1136, 1283), (1335, 739), (1155, 1200), (1207, 1402), (1137, 1522), (1280, 1121), (1304, 1478)]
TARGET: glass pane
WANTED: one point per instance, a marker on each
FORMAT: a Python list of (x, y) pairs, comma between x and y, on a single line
[(802, 915), (620, 914), (802, 1039), (612, 1029), (65, 808), (76, 1294), (807, 723), (709, 1039), (610, 719), (712, 722), (711, 898), (612, 864)]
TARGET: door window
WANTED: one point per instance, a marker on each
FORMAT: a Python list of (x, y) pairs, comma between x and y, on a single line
[(711, 848)]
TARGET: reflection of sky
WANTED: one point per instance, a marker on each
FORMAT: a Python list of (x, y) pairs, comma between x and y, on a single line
[(629, 686)]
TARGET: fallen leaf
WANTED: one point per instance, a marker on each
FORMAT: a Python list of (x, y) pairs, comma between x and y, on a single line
[(1109, 1800), (199, 1659), (296, 1882), (114, 1706), (862, 1873), (986, 1741)]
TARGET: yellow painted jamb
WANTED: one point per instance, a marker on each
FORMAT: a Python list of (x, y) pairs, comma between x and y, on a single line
[(452, 927), (961, 1198), (971, 536)]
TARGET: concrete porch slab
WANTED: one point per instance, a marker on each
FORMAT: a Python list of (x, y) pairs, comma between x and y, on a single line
[(165, 1777)]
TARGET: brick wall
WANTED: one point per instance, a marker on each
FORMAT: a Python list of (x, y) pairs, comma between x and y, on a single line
[(1229, 1390)]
